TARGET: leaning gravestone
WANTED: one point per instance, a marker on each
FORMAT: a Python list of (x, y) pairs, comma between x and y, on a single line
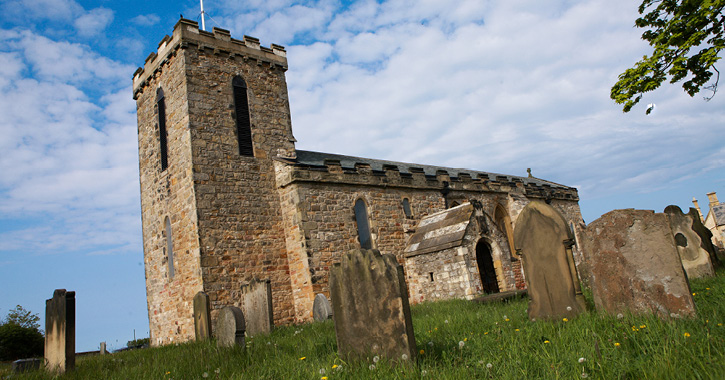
[(25, 365), (257, 307), (705, 237), (695, 259), (60, 331), (230, 327), (371, 310), (321, 309), (544, 241), (634, 265), (202, 317)]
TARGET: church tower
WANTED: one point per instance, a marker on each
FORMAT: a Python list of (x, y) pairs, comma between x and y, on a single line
[(213, 112)]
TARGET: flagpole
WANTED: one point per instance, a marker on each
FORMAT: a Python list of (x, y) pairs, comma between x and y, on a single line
[(203, 25)]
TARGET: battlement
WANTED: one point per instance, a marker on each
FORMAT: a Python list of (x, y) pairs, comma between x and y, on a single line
[(330, 168), (187, 34)]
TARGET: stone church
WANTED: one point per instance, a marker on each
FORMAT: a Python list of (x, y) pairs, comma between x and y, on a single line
[(227, 198)]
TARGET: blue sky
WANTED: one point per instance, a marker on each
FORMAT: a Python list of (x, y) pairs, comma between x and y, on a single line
[(488, 85)]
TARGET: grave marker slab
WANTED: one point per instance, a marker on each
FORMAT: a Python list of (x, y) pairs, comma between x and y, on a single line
[(257, 307), (321, 309), (705, 237), (102, 350), (60, 331), (202, 316), (544, 240), (695, 259), (370, 307), (230, 327), (25, 365), (634, 265)]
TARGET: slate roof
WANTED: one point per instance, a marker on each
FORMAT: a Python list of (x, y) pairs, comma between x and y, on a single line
[(442, 230), (719, 213), (318, 159)]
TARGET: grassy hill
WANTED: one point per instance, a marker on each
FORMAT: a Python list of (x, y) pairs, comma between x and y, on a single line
[(458, 340)]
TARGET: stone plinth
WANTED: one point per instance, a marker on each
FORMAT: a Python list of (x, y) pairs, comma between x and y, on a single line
[(370, 307), (635, 266), (60, 331)]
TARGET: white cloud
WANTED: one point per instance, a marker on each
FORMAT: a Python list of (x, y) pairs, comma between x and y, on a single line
[(146, 20), (93, 22)]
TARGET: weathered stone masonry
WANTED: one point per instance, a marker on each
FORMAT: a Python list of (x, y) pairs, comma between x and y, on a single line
[(281, 214)]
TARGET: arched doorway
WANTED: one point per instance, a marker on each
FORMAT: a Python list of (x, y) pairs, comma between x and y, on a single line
[(489, 281)]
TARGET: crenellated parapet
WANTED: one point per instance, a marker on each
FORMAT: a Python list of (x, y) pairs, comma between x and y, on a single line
[(187, 35), (338, 169)]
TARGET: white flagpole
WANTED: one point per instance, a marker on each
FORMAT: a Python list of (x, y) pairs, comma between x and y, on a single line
[(203, 25)]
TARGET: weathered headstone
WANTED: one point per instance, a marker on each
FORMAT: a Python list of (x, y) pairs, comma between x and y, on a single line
[(321, 309), (202, 316), (60, 331), (695, 259), (257, 307), (705, 237), (102, 350), (230, 327), (24, 365), (544, 241), (634, 265), (370, 307)]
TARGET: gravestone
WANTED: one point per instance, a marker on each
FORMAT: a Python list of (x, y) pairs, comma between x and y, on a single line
[(25, 365), (370, 307), (230, 327), (257, 307), (634, 265), (544, 240), (60, 331), (102, 350), (321, 309), (705, 237), (695, 259), (202, 317)]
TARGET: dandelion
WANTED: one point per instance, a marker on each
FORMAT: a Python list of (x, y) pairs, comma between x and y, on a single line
[(582, 360), (642, 326), (719, 324), (322, 371), (446, 321), (694, 294), (323, 378), (372, 367), (423, 372), (404, 356), (687, 335), (168, 372), (565, 320), (339, 367), (620, 316), (486, 333), (217, 370), (616, 344), (376, 358), (205, 375), (584, 375), (516, 330), (506, 319), (303, 358), (461, 344), (489, 365), (546, 342), (422, 352), (430, 343), (568, 308), (334, 366), (707, 288), (465, 339)]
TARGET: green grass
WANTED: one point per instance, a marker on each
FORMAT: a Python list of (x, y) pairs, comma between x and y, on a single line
[(633, 347)]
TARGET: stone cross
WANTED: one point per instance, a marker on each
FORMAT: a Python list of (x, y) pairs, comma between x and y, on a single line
[(634, 265), (695, 259), (202, 316), (257, 307), (321, 309), (60, 331), (544, 240), (230, 327), (371, 310)]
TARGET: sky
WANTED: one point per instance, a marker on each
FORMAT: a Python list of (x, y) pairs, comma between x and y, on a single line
[(497, 86)]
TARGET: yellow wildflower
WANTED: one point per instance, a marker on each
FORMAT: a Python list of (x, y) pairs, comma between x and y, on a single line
[(565, 320), (616, 344), (546, 342), (303, 358), (422, 352), (334, 366), (687, 335), (516, 330), (323, 378)]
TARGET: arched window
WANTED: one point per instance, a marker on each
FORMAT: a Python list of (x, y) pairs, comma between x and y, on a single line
[(363, 227), (163, 138), (169, 248), (241, 111), (406, 208)]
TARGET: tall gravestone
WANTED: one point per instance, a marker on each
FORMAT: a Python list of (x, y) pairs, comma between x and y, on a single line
[(695, 259), (370, 307), (60, 331), (257, 307), (705, 237), (321, 309), (230, 327), (202, 316), (634, 265), (544, 240)]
